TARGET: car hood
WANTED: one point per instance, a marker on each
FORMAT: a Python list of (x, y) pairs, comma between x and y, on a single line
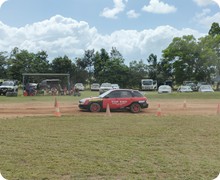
[(206, 90), (106, 88), (91, 99), (6, 86)]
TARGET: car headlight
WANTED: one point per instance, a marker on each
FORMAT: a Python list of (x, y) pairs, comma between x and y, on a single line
[(142, 102), (84, 101)]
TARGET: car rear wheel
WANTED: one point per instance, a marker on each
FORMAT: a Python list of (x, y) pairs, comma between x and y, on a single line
[(135, 108), (95, 107)]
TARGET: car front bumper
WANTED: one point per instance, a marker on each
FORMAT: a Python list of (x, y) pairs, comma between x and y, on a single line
[(83, 107), (144, 105)]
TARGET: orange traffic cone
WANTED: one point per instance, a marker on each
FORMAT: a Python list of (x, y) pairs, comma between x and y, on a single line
[(57, 109), (158, 110), (108, 112), (218, 109)]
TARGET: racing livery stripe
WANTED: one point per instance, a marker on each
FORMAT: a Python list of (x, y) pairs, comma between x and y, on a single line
[(95, 100)]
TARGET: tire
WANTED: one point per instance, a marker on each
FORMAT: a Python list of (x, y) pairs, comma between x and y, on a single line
[(95, 107), (135, 108)]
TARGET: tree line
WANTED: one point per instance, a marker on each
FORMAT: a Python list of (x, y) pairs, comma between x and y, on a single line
[(185, 58)]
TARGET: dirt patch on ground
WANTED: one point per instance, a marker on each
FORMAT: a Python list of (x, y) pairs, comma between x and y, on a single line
[(164, 107)]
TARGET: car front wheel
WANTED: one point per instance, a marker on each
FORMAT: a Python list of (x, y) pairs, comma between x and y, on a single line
[(135, 108), (95, 107)]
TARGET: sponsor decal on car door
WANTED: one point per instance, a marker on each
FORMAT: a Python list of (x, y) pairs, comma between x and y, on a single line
[(116, 103)]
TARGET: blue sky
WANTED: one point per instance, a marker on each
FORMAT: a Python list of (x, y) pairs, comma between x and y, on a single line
[(135, 27)]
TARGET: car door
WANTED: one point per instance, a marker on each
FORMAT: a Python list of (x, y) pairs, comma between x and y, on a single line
[(111, 99), (118, 99)]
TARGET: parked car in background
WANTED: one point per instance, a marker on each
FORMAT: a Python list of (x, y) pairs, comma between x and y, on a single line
[(1, 81), (205, 88), (105, 87), (9, 87), (184, 89), (79, 86), (164, 89), (116, 99), (200, 83), (115, 86), (95, 86), (192, 85)]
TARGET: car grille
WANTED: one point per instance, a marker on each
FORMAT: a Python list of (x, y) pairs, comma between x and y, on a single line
[(5, 89)]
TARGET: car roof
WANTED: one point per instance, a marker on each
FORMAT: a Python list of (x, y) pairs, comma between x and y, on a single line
[(202, 86), (164, 86), (51, 80), (124, 90), (185, 86), (106, 83)]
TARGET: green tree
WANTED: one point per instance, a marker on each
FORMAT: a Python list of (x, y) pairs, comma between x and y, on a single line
[(87, 62), (181, 56), (137, 71), (19, 62), (207, 59), (63, 65), (215, 29), (214, 43), (115, 69), (40, 63), (81, 73), (3, 65), (100, 60), (152, 66)]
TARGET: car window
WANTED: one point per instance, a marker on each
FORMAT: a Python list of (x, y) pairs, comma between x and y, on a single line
[(8, 83), (114, 94), (137, 94), (125, 94)]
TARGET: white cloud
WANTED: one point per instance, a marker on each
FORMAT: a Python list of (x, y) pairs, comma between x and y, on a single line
[(159, 7), (204, 2), (119, 6), (132, 14), (60, 36), (2, 2), (217, 2), (205, 19)]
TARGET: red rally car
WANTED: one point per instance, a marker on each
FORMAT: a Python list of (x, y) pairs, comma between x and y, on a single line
[(116, 99)]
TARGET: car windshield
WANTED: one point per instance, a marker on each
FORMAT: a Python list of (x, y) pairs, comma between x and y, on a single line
[(95, 85), (147, 82), (106, 85), (7, 83), (206, 87), (185, 87), (104, 94), (164, 87), (115, 85)]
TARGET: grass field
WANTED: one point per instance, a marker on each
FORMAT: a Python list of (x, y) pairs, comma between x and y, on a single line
[(123, 146)]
